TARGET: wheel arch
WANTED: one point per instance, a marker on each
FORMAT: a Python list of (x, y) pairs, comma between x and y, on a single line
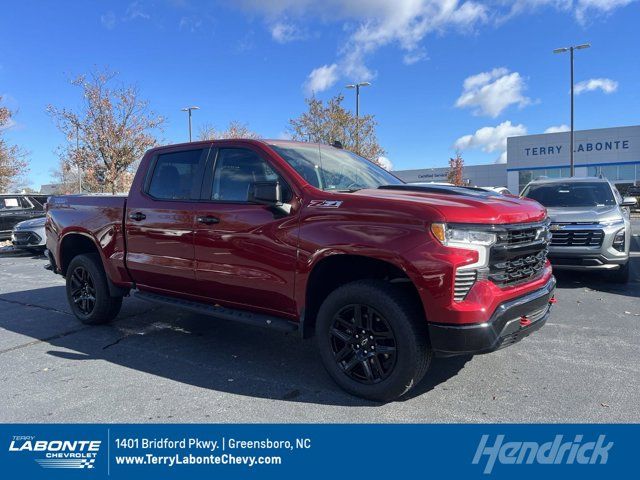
[(339, 268), (76, 243)]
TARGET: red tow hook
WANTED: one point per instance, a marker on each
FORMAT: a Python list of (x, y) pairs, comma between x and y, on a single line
[(524, 321), (552, 300)]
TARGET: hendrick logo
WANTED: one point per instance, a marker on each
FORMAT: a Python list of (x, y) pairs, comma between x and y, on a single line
[(548, 453), (57, 453)]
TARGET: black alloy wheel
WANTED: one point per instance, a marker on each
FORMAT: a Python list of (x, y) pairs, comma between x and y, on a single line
[(363, 344), (83, 290)]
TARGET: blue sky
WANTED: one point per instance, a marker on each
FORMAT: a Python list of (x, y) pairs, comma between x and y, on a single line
[(444, 73)]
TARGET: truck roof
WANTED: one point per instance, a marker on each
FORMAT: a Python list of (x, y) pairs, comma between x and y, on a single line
[(569, 180), (263, 141)]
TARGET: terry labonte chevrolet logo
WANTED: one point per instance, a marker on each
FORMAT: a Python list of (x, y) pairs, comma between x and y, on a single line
[(57, 453)]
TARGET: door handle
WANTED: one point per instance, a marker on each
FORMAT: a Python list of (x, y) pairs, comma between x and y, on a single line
[(137, 216), (208, 220)]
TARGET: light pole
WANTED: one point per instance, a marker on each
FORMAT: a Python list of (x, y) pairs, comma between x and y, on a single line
[(189, 109), (357, 87), (570, 50)]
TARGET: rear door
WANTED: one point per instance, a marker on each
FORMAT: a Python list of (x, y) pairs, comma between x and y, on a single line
[(160, 221), (245, 252)]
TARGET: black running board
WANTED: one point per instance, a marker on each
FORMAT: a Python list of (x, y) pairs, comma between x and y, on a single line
[(224, 313)]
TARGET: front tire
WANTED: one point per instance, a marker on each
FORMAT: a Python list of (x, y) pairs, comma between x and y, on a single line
[(88, 291), (373, 340)]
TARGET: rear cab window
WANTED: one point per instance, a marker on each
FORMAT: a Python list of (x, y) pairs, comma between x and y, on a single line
[(177, 175)]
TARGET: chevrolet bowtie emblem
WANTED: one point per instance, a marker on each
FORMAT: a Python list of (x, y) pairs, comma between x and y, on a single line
[(556, 227)]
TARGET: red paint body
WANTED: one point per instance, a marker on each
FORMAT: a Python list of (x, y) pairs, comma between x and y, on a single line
[(256, 261)]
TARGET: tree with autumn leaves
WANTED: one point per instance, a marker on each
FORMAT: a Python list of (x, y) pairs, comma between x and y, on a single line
[(456, 168), (107, 135), (13, 163), (329, 122)]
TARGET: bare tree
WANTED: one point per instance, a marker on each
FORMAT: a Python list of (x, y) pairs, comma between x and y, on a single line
[(326, 123), (235, 129), (456, 167), (113, 129), (13, 163)]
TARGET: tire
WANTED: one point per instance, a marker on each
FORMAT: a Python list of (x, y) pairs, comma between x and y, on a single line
[(86, 280), (392, 322), (621, 275)]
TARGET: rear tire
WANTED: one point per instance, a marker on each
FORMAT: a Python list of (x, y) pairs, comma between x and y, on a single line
[(390, 357), (88, 291), (621, 275)]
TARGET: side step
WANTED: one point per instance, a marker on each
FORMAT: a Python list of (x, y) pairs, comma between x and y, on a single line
[(224, 313)]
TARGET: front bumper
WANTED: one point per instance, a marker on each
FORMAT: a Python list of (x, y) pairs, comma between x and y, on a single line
[(510, 322), (27, 239)]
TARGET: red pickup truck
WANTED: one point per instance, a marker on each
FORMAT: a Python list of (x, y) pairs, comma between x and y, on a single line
[(314, 239)]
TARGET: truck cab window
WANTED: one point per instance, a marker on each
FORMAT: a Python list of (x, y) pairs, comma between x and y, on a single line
[(236, 169), (175, 176)]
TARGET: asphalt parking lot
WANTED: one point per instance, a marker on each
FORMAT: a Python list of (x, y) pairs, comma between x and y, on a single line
[(155, 364)]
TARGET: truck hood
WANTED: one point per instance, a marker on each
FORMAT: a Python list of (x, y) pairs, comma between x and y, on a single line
[(583, 214), (475, 207)]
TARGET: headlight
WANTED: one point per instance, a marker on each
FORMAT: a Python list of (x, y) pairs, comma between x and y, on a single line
[(461, 237), (619, 240), (613, 223)]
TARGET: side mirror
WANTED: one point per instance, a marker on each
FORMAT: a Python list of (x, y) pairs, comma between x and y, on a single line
[(629, 202), (266, 193)]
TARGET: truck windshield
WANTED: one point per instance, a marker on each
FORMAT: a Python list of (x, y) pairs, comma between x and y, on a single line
[(579, 194), (330, 168)]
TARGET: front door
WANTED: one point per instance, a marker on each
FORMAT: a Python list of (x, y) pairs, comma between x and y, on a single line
[(160, 222), (245, 253)]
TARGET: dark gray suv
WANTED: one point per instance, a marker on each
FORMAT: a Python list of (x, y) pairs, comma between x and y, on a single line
[(590, 224)]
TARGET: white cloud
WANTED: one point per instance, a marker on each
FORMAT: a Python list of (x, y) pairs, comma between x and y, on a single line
[(373, 24), (605, 84), (490, 93), (321, 78), (557, 129), (378, 23), (491, 139), (585, 8), (385, 163), (135, 10), (283, 32), (108, 20)]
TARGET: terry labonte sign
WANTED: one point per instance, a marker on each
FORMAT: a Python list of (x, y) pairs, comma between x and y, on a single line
[(580, 147), (599, 146)]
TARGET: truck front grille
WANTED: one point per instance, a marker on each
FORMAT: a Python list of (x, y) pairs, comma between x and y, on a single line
[(519, 255), (463, 283), (577, 238), (518, 269)]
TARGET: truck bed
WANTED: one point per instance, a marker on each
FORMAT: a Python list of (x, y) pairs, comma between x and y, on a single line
[(100, 217)]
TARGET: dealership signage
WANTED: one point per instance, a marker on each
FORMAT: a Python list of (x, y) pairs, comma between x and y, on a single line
[(580, 147)]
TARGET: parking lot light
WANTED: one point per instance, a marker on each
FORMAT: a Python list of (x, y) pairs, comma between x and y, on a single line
[(570, 50)]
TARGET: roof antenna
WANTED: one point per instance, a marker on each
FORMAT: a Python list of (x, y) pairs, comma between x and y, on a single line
[(337, 144)]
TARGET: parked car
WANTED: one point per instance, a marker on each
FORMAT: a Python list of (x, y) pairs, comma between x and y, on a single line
[(29, 235), (500, 190), (590, 224), (16, 208), (314, 239)]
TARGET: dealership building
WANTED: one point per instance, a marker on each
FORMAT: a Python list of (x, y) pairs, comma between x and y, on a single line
[(611, 152)]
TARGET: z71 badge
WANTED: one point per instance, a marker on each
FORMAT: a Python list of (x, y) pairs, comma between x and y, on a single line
[(325, 203)]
